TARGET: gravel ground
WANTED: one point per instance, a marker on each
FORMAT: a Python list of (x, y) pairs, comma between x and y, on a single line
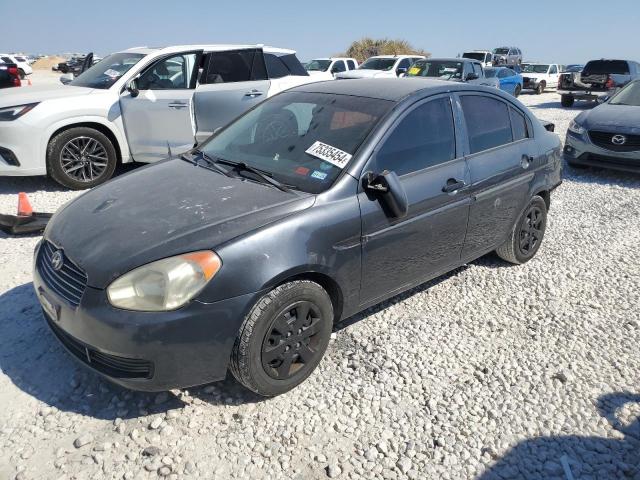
[(493, 371)]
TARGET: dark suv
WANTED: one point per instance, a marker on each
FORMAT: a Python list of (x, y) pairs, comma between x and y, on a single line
[(316, 204)]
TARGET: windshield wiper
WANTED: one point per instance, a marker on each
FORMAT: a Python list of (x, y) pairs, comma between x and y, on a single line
[(210, 163), (258, 173)]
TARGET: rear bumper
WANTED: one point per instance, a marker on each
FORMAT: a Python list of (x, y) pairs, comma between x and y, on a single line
[(580, 151), (142, 350)]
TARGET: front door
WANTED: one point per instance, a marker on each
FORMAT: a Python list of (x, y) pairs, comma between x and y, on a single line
[(231, 83), (160, 117), (502, 157), (421, 149)]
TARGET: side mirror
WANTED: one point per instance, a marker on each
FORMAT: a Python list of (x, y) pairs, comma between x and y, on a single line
[(66, 78), (401, 71), (132, 87), (471, 76), (387, 188)]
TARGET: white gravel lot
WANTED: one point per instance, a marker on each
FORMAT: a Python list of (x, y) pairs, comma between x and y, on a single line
[(493, 371)]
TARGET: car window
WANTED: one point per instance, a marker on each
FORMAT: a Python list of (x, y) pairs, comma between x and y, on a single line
[(172, 73), (488, 123), (351, 64), (229, 67), (424, 137), (275, 67), (519, 124), (107, 71), (504, 73), (404, 63), (6, 60), (603, 67), (553, 69), (293, 65), (443, 69), (338, 66)]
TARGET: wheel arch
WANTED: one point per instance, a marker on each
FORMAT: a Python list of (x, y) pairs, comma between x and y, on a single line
[(100, 127), (546, 196)]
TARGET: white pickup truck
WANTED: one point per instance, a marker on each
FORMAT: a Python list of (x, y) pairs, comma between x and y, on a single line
[(137, 104), (328, 68), (539, 76)]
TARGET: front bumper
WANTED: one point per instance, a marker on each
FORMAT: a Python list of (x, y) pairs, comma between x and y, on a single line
[(23, 140), (579, 150), (148, 351)]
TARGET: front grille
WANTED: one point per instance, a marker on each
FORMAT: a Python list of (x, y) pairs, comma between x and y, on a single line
[(69, 281), (111, 365), (605, 140)]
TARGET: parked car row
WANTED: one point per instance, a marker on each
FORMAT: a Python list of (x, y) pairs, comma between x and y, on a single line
[(9, 76), (24, 68), (497, 57)]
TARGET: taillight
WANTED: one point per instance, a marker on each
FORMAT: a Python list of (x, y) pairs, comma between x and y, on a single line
[(610, 85), (13, 71)]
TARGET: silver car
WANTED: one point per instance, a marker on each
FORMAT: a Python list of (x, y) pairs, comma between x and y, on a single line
[(507, 56)]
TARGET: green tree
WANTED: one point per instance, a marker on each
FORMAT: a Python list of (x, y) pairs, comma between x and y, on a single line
[(367, 47)]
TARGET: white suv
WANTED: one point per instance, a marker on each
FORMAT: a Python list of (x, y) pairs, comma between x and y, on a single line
[(540, 76), (138, 104), (24, 68), (328, 68), (383, 66)]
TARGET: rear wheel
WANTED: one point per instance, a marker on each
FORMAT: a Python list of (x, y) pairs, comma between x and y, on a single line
[(283, 338), (526, 236), (517, 91), (21, 74), (567, 101), (81, 158), (540, 88)]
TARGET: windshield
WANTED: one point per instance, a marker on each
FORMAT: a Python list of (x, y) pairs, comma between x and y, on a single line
[(574, 68), (318, 65), (107, 71), (535, 68), (501, 51), (629, 95), (445, 70), (378, 64), (474, 56), (606, 67), (490, 72), (287, 136), (20, 59)]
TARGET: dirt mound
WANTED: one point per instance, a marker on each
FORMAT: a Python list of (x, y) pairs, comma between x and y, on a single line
[(46, 63)]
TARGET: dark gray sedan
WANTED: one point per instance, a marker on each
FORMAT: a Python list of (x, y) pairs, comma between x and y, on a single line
[(609, 135), (321, 201)]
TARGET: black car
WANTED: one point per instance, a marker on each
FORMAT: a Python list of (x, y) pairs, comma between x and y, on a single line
[(319, 202), (609, 135)]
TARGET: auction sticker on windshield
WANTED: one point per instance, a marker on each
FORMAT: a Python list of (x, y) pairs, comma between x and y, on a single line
[(330, 154), (414, 71)]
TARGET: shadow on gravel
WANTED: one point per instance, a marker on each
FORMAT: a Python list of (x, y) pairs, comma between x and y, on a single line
[(33, 359), (575, 457), (578, 107), (14, 185)]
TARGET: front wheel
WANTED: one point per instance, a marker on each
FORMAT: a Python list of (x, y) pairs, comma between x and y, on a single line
[(526, 235), (21, 74), (540, 88), (517, 91), (81, 158), (283, 338)]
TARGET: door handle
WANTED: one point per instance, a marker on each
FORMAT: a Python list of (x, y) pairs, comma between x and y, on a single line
[(453, 185), (177, 104), (526, 161), (253, 93)]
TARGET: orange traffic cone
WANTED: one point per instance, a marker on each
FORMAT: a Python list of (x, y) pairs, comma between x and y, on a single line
[(28, 82), (24, 206)]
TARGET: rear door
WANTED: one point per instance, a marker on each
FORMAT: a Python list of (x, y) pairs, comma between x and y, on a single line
[(501, 157), (231, 83), (160, 117), (421, 149)]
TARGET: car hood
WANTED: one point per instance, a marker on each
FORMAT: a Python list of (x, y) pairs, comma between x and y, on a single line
[(162, 210), (363, 73), (21, 96), (625, 119)]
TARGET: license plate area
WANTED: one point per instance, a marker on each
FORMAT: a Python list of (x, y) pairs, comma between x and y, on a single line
[(49, 307)]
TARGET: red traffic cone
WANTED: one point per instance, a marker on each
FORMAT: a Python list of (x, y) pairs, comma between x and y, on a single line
[(24, 207)]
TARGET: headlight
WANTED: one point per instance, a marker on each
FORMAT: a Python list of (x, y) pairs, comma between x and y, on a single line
[(11, 113), (576, 128), (165, 284)]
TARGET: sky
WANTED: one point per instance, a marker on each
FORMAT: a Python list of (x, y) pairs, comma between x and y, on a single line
[(560, 31)]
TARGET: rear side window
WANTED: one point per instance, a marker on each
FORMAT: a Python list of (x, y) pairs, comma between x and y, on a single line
[(275, 66), (351, 64), (488, 123), (229, 67), (519, 124), (425, 137), (604, 67), (6, 60)]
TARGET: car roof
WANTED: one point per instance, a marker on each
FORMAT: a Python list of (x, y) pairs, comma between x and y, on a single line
[(393, 89), (397, 56), (209, 48), (451, 59)]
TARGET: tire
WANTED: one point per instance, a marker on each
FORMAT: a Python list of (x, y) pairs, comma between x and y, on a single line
[(540, 88), (21, 74), (517, 91), (567, 101), (259, 358), (70, 164), (527, 233)]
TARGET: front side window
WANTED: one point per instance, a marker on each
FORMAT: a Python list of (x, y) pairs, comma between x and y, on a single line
[(338, 66), (553, 69), (230, 67), (107, 71), (491, 73), (318, 65), (275, 137), (351, 64), (172, 73), (445, 70), (383, 64), (505, 73), (423, 138), (488, 123)]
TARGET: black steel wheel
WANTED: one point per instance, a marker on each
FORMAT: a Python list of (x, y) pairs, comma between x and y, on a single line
[(540, 88), (81, 158), (283, 338), (517, 91), (526, 235)]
